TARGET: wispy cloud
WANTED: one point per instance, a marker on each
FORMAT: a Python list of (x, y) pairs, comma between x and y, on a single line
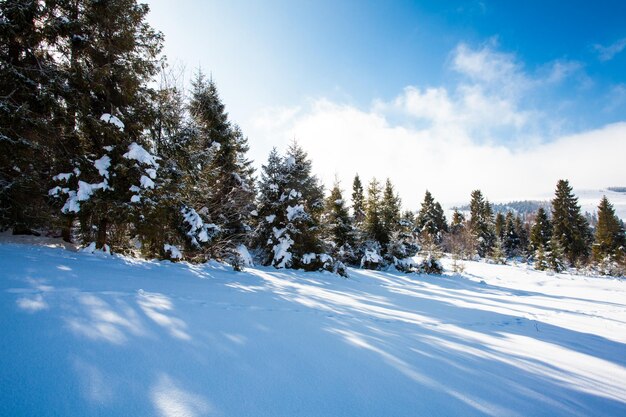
[(607, 53)]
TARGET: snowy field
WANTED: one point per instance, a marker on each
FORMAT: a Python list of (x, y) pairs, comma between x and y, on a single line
[(87, 335)]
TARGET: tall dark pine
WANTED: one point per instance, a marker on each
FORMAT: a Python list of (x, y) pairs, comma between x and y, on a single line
[(224, 186), (110, 56), (569, 227), (373, 223), (358, 201), (338, 224), (29, 112), (390, 210), (610, 240), (541, 232), (431, 220), (481, 223), (290, 205)]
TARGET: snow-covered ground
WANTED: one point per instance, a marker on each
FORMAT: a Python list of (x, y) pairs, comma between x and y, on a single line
[(85, 334)]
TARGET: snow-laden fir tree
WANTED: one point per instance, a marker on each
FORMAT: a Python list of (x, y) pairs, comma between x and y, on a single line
[(540, 234), (481, 223), (339, 230), (389, 211), (511, 241), (30, 111), (375, 237), (609, 247), (431, 219), (569, 227), (289, 206), (499, 225), (358, 201), (110, 56), (221, 185)]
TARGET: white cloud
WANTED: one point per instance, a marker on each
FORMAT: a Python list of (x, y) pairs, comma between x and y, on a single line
[(447, 140), (607, 53)]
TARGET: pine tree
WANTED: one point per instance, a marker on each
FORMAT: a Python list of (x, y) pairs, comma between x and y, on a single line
[(500, 224), (338, 225), (541, 259), (431, 219), (289, 209), (541, 232), (390, 211), (225, 189), (511, 239), (610, 241), (30, 112), (358, 201), (569, 226), (481, 223), (111, 57), (373, 223)]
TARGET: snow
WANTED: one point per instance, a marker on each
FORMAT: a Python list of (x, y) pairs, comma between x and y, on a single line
[(84, 193), (146, 182), (62, 176), (109, 118), (307, 258), (174, 252), (282, 256), (244, 255), (295, 212), (138, 153), (85, 335), (151, 173), (198, 230), (102, 165), (270, 219), (135, 199)]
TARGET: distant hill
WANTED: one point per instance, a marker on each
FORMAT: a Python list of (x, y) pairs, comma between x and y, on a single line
[(588, 200)]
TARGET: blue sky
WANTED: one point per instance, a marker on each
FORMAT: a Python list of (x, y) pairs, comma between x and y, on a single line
[(512, 74)]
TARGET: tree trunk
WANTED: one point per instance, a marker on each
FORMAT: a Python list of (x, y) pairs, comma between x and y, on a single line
[(101, 239)]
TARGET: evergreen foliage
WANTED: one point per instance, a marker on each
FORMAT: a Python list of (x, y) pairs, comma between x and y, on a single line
[(569, 227), (289, 209), (338, 226), (481, 223), (609, 246), (541, 231), (431, 219)]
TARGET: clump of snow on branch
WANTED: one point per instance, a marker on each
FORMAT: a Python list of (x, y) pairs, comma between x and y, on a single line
[(296, 212), (138, 153), (174, 252), (109, 118), (199, 231), (102, 165)]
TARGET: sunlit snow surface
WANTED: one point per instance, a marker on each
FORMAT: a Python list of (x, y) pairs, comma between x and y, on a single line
[(87, 334)]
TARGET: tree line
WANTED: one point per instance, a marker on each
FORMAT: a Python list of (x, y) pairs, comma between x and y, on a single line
[(99, 146)]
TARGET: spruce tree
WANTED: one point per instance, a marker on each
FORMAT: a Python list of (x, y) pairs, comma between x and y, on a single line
[(610, 241), (30, 112), (111, 56), (373, 223), (499, 225), (224, 189), (481, 223), (569, 226), (358, 201), (289, 210), (431, 220), (390, 210), (540, 234), (338, 225), (511, 239)]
